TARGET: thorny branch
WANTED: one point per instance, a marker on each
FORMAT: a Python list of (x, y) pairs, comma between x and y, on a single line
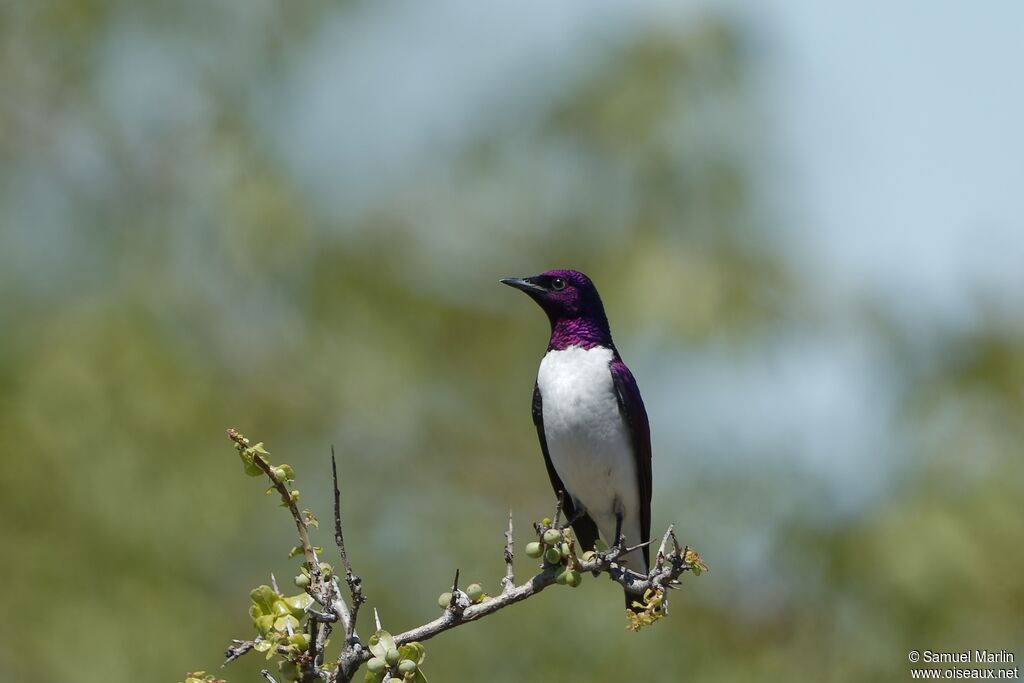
[(509, 582), (669, 565), (355, 584), (664, 575)]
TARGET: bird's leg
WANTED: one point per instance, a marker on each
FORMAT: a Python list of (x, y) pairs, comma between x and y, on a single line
[(620, 541), (618, 546), (576, 514)]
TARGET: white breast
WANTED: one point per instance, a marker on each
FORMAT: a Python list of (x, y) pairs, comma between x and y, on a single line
[(588, 440)]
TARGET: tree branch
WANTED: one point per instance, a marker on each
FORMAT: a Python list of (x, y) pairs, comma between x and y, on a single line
[(355, 584), (318, 588), (669, 565), (658, 577), (509, 582)]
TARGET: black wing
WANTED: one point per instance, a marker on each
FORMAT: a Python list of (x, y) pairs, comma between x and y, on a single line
[(631, 405), (582, 525)]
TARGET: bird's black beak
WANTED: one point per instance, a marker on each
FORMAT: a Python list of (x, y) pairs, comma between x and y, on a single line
[(524, 284)]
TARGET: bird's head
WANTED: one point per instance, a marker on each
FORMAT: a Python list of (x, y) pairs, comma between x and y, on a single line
[(571, 302)]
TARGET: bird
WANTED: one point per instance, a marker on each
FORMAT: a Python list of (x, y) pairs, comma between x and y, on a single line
[(590, 419)]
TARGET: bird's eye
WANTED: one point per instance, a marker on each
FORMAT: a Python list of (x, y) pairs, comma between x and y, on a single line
[(557, 284)]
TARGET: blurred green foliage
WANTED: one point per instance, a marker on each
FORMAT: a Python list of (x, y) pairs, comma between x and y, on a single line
[(163, 275)]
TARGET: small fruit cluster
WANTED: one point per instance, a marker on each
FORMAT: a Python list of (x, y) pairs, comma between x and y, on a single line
[(402, 662), (557, 547), (474, 592), (303, 580)]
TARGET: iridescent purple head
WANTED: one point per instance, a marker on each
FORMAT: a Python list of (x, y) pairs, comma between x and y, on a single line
[(573, 306)]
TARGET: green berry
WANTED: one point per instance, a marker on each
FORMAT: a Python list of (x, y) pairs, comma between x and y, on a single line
[(376, 665), (552, 536), (564, 549), (589, 555), (534, 549), (553, 555), (302, 581), (444, 600), (546, 521), (562, 578), (573, 579), (391, 657), (475, 591), (406, 666)]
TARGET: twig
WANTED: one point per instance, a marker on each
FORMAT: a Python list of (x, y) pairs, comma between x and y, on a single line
[(661, 548), (509, 582), (631, 548), (318, 587), (266, 675), (355, 584), (239, 648)]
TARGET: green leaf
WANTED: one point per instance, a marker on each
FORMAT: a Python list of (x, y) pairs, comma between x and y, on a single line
[(380, 643), (262, 645), (414, 651), (288, 669), (248, 464), (284, 622), (371, 677), (295, 551), (264, 598), (265, 624), (301, 640), (299, 603)]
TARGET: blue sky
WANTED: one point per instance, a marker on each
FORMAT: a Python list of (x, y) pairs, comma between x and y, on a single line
[(901, 129), (895, 149)]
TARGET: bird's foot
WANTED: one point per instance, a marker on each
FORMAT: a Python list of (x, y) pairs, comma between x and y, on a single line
[(577, 514), (614, 553)]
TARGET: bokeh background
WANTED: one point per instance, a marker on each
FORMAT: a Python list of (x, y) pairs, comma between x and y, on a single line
[(290, 218)]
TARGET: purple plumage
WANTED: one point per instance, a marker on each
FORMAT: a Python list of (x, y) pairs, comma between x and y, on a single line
[(590, 417)]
